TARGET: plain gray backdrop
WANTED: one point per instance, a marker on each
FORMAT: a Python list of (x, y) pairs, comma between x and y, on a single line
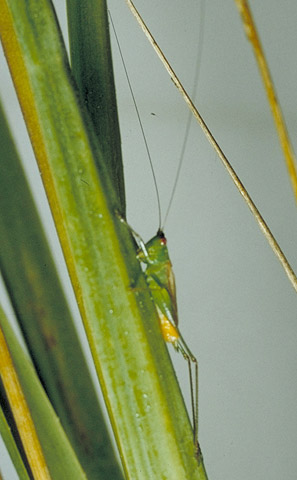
[(237, 308)]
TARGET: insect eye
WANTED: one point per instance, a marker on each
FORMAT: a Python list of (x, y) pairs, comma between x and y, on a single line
[(162, 237)]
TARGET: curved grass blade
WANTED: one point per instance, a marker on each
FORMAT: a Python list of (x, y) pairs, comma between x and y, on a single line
[(253, 37)]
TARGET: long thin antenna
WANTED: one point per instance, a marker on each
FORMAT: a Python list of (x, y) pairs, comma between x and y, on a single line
[(139, 121), (190, 116), (242, 190)]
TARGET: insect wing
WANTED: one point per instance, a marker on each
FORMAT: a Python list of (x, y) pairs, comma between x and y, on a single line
[(162, 286), (160, 277), (172, 291)]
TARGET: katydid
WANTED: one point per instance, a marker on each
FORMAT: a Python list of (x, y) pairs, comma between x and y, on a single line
[(161, 282), (158, 272)]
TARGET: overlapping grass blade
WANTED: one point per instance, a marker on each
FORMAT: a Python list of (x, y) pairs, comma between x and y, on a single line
[(145, 405), (44, 317)]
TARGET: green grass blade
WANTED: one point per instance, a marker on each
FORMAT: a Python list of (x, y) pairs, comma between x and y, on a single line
[(35, 291), (92, 69), (12, 448), (60, 458), (145, 405), (24, 423)]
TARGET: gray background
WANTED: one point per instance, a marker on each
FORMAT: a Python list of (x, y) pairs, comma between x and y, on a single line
[(236, 307)]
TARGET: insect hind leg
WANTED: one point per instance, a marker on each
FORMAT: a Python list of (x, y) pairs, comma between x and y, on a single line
[(192, 362)]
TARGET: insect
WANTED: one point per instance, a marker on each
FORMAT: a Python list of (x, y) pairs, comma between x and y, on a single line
[(158, 268), (160, 279)]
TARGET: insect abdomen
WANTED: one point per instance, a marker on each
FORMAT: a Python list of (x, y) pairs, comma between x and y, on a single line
[(169, 331)]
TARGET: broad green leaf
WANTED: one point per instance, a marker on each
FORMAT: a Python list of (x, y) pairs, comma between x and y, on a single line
[(42, 312), (145, 405)]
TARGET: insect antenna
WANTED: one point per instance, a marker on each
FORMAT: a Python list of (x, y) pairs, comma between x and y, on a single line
[(190, 116), (139, 121)]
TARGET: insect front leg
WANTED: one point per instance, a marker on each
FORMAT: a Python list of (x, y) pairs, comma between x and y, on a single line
[(136, 236)]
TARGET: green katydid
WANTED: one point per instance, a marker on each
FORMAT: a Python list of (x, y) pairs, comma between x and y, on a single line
[(161, 282), (158, 268)]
